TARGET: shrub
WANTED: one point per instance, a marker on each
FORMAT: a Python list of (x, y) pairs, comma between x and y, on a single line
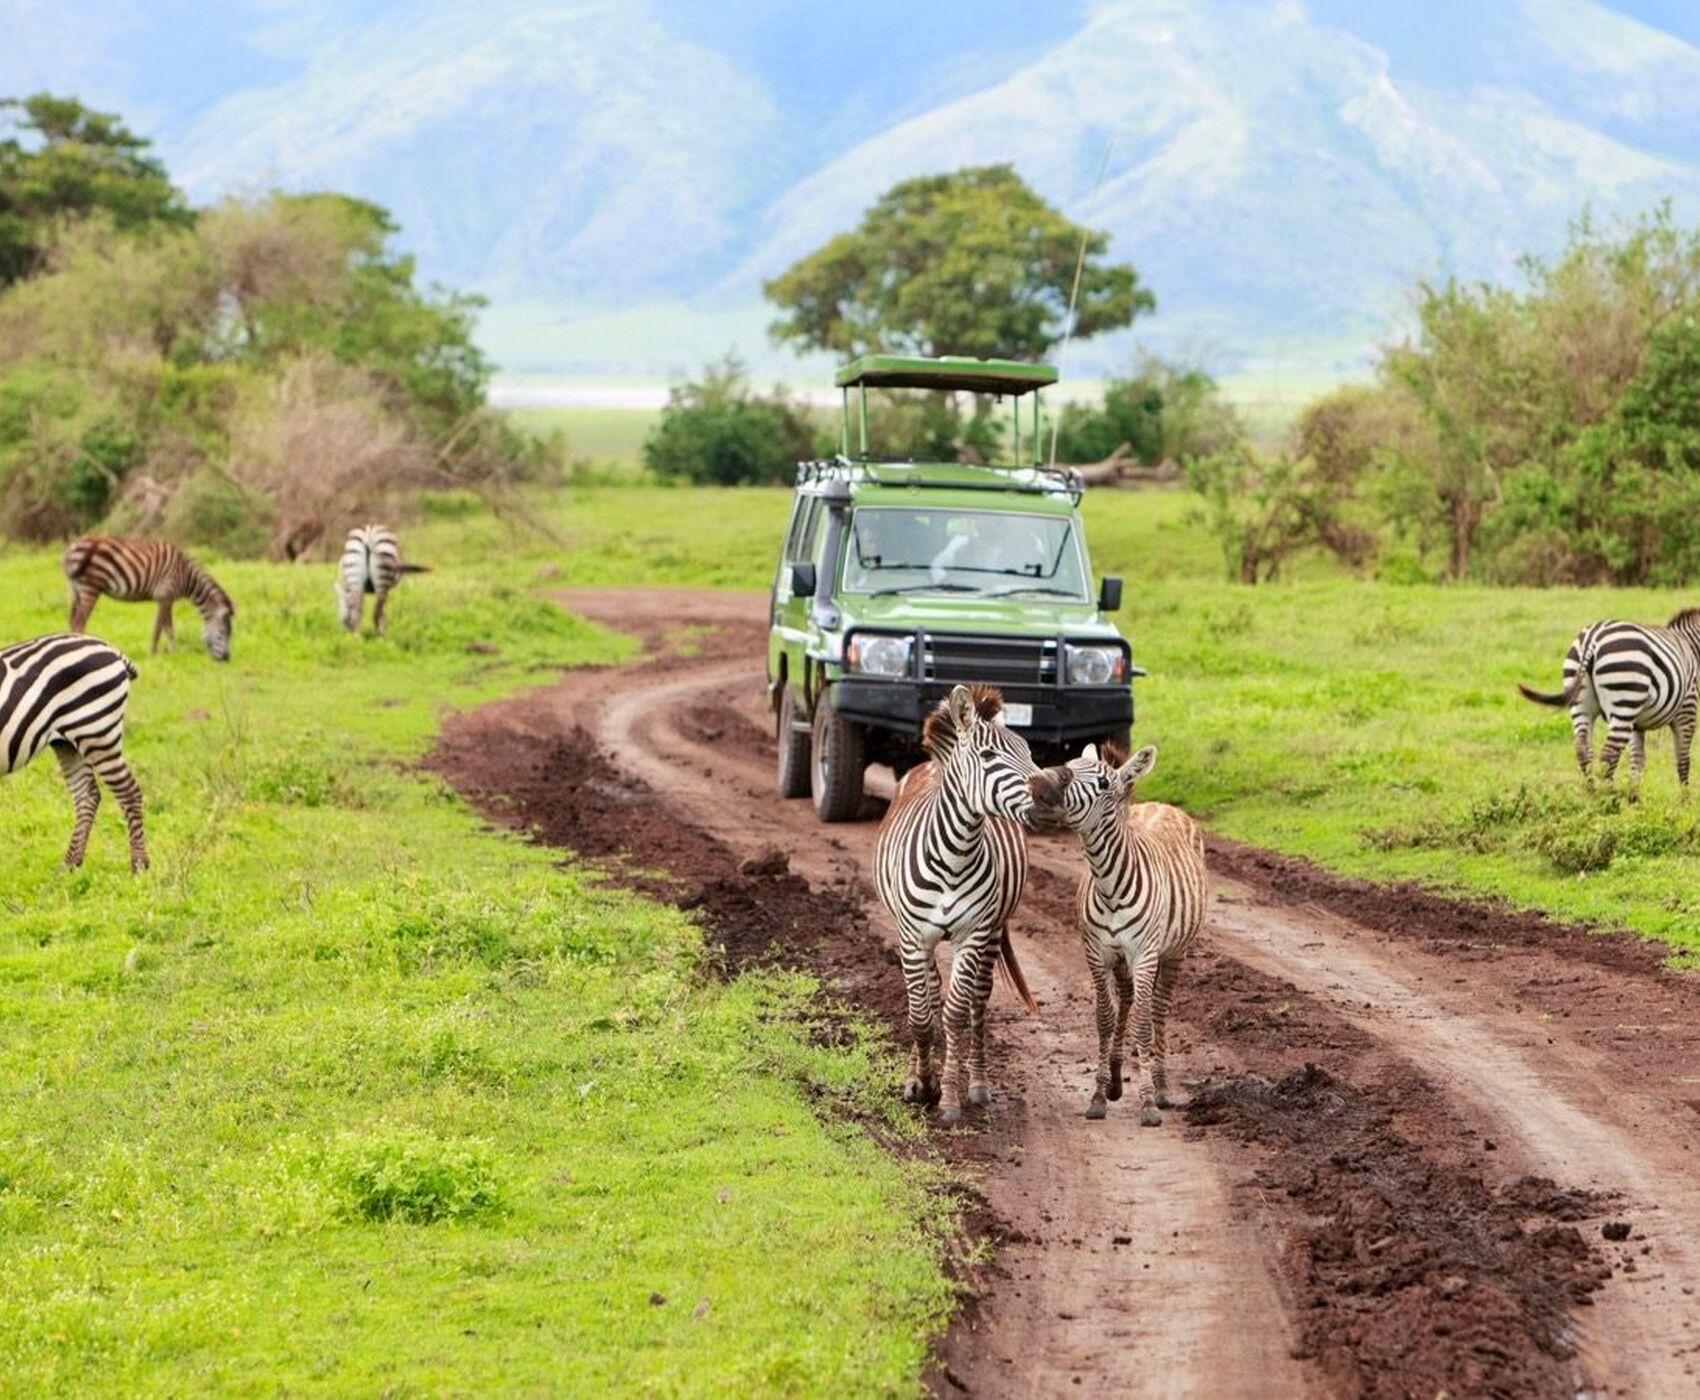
[(716, 431), (411, 1176), (1263, 511), (1163, 411)]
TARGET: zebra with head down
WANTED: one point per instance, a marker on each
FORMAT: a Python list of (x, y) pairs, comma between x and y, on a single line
[(950, 863)]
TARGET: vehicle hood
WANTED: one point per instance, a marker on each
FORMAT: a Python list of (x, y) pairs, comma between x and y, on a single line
[(1040, 617)]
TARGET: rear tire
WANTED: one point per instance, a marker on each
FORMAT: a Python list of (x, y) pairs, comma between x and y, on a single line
[(838, 765), (793, 772)]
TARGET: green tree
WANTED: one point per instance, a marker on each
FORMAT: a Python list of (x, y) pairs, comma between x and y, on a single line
[(716, 430), (59, 160), (1161, 411), (969, 263)]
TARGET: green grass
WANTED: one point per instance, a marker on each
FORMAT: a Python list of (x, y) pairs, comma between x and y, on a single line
[(350, 1095), (1373, 727), (597, 436)]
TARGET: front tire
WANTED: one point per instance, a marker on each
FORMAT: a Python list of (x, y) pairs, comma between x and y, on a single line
[(792, 777), (838, 764)]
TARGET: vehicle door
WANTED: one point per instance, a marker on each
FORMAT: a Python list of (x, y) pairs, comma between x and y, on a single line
[(790, 608)]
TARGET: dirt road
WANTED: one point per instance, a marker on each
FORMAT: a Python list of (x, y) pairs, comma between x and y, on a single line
[(1415, 1126)]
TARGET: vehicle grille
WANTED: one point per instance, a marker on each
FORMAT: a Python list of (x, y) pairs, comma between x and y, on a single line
[(994, 660)]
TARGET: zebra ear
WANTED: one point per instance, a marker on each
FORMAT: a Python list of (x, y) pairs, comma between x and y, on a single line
[(1143, 762), (961, 704), (1090, 753)]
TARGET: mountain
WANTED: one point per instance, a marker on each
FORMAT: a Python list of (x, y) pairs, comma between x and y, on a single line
[(617, 176)]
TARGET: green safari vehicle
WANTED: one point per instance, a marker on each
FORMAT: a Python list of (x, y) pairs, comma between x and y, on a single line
[(898, 579)]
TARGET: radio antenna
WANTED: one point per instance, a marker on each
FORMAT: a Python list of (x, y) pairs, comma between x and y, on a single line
[(1074, 292)]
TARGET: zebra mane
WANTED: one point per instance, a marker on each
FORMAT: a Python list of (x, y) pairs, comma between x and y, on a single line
[(1112, 753), (1688, 620), (938, 734)]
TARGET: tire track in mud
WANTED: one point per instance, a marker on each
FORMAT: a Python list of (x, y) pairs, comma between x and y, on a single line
[(1376, 1223)]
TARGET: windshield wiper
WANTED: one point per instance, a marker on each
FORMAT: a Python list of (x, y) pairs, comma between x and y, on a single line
[(1038, 588), (922, 587)]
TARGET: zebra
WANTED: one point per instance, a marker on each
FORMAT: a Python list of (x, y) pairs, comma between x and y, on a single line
[(68, 692), (371, 563), (133, 571), (1142, 901), (1639, 678), (950, 862)]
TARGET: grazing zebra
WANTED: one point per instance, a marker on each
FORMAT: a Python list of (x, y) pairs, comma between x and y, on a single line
[(133, 571), (371, 563), (1141, 904), (949, 863), (1639, 678), (68, 692)]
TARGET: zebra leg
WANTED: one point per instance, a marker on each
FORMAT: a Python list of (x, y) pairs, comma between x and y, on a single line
[(921, 984), (1118, 1043), (85, 799), (1145, 1036), (979, 1089), (162, 627), (82, 604), (965, 972), (1637, 763), (116, 774), (1682, 731), (1618, 733), (378, 612), (1096, 953), (1582, 724), (1168, 973)]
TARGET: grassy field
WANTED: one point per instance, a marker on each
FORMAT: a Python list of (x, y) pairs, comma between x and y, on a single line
[(349, 1095), (1371, 726)]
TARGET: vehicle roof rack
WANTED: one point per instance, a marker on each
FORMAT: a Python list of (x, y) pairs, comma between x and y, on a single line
[(1033, 480), (945, 372)]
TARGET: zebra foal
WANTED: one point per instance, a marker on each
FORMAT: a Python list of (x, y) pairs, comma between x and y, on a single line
[(371, 563), (68, 693), (135, 571), (950, 862), (1638, 678), (1141, 904)]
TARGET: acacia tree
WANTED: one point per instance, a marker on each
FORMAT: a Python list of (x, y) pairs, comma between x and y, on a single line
[(969, 263), (59, 160)]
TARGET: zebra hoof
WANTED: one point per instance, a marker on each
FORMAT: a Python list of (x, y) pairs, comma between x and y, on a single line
[(1114, 1092), (951, 1113), (914, 1091), (1096, 1109), (1149, 1117), (980, 1096), (1164, 1101)]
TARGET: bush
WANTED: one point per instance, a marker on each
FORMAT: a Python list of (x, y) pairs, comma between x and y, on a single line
[(410, 1176), (716, 431), (1263, 511), (1163, 412)]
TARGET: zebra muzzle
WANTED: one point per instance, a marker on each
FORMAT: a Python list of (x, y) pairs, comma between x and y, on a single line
[(1047, 786)]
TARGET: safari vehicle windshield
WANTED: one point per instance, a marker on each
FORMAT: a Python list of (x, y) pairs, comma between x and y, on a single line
[(995, 554)]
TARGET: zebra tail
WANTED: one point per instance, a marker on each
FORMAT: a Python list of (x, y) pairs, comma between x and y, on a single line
[(1012, 973), (130, 670), (416, 568), (1564, 697)]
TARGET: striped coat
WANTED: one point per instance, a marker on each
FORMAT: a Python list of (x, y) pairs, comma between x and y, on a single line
[(371, 563), (1637, 678), (1142, 902), (135, 571), (69, 693), (950, 863)]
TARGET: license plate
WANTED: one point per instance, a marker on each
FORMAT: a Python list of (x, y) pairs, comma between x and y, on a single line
[(1018, 716)]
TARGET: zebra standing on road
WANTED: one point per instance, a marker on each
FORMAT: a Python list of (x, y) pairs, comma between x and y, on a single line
[(1141, 905), (371, 563), (135, 571), (1639, 678), (950, 863), (69, 693)]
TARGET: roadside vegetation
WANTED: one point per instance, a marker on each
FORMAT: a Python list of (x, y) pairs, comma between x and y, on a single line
[(351, 1094)]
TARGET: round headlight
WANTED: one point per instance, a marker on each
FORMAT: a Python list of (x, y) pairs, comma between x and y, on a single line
[(1092, 665), (880, 656)]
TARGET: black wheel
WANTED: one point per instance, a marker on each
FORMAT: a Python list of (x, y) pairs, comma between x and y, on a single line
[(793, 773), (839, 762)]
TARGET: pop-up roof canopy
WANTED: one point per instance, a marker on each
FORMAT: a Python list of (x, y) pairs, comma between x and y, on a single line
[(945, 372)]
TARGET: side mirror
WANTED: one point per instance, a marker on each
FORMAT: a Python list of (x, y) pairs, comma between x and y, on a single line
[(1110, 593), (803, 580)]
